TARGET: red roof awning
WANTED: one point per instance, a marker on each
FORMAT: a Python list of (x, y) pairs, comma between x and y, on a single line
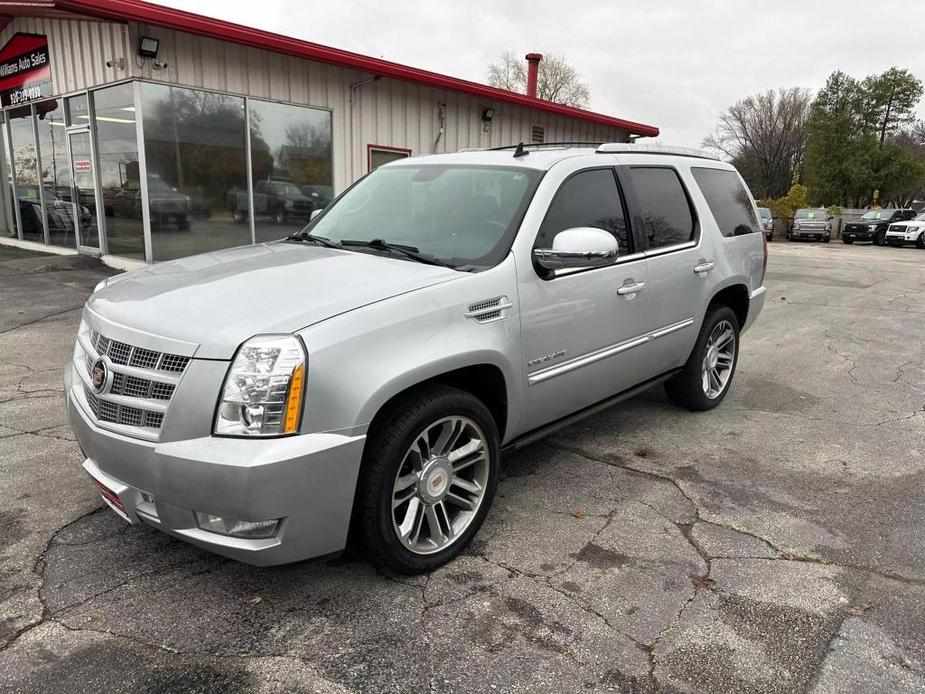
[(180, 20)]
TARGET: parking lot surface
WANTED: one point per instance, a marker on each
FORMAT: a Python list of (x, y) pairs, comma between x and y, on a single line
[(773, 544)]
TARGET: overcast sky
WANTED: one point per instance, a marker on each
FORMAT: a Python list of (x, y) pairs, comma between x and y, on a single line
[(675, 64)]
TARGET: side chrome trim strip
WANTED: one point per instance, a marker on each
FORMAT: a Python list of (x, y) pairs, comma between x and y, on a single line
[(594, 357)]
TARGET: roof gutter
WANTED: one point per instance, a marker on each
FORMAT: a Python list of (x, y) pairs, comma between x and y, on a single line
[(179, 20)]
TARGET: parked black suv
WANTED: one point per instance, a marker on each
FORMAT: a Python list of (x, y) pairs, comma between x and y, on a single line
[(873, 224)]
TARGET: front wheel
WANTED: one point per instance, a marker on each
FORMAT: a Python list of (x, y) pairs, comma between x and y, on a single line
[(704, 381), (880, 239), (430, 470), (920, 241), (847, 241)]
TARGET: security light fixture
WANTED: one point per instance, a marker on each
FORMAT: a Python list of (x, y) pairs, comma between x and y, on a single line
[(488, 114), (147, 47)]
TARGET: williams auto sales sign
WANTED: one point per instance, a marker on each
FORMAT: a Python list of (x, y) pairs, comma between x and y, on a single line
[(25, 70)]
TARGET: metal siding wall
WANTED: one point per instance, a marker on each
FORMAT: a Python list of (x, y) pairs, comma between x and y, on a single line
[(390, 112)]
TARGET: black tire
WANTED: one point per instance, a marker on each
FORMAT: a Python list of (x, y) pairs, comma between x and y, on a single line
[(686, 388), (847, 241), (920, 241), (383, 456), (281, 216), (880, 238), (827, 239), (789, 237), (238, 215)]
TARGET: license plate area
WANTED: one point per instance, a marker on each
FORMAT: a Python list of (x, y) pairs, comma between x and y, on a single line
[(112, 500)]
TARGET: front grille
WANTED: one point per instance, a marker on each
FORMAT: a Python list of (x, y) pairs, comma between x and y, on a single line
[(107, 411), (139, 357), (897, 227), (131, 381)]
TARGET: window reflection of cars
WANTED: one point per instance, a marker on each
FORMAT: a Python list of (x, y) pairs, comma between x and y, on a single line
[(60, 213), (166, 203), (283, 201), (320, 196)]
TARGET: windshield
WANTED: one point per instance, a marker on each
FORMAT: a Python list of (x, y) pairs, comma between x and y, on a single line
[(461, 215), (810, 214), (920, 218), (764, 212), (877, 215)]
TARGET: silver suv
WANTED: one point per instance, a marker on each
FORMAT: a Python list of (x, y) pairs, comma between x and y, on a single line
[(368, 372)]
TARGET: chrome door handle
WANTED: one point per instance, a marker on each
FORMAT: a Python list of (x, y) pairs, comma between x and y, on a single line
[(704, 266), (631, 288)]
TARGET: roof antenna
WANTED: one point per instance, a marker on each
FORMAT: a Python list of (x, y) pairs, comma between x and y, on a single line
[(520, 151)]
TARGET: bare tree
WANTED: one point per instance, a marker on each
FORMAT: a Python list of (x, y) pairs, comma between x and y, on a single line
[(557, 81), (765, 136)]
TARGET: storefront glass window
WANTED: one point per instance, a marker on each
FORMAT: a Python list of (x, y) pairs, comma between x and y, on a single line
[(27, 178), (56, 173), (120, 179), (194, 148), (291, 167)]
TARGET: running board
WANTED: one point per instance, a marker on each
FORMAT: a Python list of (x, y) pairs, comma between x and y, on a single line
[(568, 420)]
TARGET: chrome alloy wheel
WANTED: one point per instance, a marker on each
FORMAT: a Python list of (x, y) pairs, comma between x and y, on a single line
[(440, 485), (719, 358)]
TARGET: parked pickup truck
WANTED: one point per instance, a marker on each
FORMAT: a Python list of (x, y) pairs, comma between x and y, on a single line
[(369, 371), (872, 225)]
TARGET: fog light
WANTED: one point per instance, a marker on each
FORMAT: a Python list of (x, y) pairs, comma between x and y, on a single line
[(254, 530)]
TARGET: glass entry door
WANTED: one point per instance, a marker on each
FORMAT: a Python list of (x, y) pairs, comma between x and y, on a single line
[(83, 190)]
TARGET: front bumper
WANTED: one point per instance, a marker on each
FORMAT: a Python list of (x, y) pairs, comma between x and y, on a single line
[(900, 238), (308, 481), (810, 234), (860, 234)]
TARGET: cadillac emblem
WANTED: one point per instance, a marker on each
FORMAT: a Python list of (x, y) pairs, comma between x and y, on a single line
[(99, 376)]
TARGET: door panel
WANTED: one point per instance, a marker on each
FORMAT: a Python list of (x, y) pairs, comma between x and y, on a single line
[(578, 335), (582, 330)]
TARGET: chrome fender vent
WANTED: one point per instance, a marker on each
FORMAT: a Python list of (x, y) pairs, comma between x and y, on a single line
[(489, 310)]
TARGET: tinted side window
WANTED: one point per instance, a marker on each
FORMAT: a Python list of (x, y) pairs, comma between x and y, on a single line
[(587, 199), (728, 200), (663, 206)]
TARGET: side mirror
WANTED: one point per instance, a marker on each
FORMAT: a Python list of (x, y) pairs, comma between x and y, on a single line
[(579, 247), (314, 214)]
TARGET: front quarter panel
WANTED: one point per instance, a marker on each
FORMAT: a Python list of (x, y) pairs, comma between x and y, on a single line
[(360, 360)]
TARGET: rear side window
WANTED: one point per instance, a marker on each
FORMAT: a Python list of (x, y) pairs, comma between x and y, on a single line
[(728, 199), (664, 206), (587, 199)]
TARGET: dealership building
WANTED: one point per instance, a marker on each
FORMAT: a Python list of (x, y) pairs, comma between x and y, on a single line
[(140, 132)]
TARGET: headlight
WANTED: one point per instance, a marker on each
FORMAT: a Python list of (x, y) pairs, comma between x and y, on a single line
[(264, 389), (911, 229)]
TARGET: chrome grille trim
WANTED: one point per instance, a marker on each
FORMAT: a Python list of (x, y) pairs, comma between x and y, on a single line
[(143, 383)]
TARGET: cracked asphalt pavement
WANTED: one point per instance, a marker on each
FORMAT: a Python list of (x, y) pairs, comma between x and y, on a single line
[(774, 544)]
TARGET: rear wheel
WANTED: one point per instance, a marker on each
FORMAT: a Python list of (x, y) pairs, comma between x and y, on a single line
[(429, 474), (704, 381)]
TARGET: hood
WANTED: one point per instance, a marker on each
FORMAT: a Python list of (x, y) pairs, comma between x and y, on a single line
[(218, 300)]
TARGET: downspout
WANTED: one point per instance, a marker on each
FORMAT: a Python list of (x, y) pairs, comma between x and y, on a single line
[(354, 97)]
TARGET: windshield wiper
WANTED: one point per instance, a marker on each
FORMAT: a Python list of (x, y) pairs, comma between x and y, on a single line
[(320, 240), (407, 251)]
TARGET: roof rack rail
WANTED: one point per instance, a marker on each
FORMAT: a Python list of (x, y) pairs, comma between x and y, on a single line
[(545, 145), (647, 148)]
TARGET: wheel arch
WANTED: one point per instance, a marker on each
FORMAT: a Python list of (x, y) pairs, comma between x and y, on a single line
[(736, 297), (483, 379)]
